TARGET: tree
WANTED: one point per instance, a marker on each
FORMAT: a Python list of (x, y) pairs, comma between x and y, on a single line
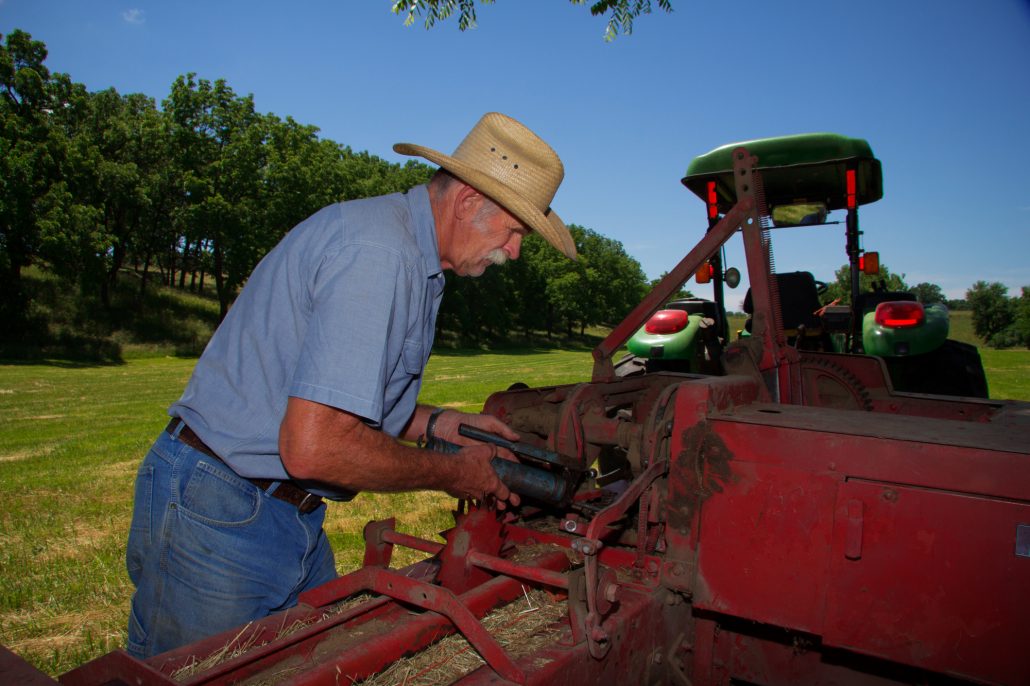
[(614, 281), (31, 150), (1021, 325), (678, 295), (993, 312), (840, 289), (928, 293), (620, 13), (218, 139)]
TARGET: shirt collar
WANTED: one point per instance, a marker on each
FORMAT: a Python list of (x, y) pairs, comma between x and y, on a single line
[(425, 228)]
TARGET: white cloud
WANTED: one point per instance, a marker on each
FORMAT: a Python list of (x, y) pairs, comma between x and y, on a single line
[(134, 16)]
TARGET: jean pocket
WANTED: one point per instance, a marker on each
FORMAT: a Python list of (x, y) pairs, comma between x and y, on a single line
[(218, 498), (136, 644)]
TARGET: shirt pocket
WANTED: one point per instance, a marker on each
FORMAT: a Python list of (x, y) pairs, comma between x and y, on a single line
[(413, 357)]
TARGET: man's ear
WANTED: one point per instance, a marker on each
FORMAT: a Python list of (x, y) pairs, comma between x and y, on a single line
[(467, 201)]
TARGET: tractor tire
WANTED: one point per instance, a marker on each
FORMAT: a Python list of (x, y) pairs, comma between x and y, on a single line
[(953, 369)]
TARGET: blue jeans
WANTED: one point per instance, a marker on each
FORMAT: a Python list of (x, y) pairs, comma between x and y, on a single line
[(209, 551)]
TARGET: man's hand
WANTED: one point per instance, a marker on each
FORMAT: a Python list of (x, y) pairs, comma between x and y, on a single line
[(448, 421), (478, 480)]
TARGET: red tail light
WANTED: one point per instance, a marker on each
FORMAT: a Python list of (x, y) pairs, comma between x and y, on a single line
[(900, 314), (667, 321)]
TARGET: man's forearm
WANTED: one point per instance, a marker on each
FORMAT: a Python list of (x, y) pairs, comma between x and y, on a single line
[(327, 445), (416, 426)]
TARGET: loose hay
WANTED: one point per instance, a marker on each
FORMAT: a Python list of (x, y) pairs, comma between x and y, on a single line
[(528, 553), (239, 645), (233, 648), (520, 627)]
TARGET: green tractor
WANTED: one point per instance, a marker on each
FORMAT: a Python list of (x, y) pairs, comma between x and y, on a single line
[(804, 178)]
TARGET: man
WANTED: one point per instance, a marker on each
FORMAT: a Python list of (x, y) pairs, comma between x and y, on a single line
[(309, 381)]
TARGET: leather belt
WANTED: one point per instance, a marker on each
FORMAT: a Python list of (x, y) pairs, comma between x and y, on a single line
[(285, 491)]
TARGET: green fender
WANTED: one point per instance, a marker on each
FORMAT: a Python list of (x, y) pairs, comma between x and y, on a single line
[(681, 345), (917, 340)]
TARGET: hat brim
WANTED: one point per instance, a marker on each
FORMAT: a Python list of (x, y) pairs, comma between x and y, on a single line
[(548, 225)]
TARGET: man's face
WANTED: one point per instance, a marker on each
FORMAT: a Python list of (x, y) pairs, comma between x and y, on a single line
[(492, 237)]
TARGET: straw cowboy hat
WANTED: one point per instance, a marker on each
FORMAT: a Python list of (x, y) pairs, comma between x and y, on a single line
[(506, 161)]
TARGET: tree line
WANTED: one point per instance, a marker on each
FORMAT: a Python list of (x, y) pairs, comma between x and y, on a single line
[(94, 185)]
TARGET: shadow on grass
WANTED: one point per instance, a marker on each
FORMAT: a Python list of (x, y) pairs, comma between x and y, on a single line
[(67, 351), (61, 325)]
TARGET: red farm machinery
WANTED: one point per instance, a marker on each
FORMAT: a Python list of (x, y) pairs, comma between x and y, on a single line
[(793, 521)]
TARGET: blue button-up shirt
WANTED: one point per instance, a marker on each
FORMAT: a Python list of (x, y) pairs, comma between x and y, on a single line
[(342, 312)]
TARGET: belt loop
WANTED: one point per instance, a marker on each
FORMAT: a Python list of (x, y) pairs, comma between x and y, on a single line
[(178, 427), (273, 487)]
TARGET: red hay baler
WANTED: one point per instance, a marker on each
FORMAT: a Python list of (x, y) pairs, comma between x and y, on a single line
[(794, 521)]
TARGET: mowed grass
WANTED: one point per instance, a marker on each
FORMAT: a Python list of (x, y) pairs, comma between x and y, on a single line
[(1008, 372), (71, 439)]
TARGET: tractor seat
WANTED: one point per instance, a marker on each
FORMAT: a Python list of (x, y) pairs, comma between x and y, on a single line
[(799, 301)]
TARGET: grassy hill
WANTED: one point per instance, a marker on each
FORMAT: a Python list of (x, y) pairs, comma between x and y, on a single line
[(62, 323)]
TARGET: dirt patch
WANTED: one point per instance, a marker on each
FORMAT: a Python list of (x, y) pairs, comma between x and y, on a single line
[(18, 455), (120, 469), (28, 454), (84, 540)]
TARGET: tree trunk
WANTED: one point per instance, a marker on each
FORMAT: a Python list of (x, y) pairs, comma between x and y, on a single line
[(143, 281), (220, 286), (184, 264), (111, 280)]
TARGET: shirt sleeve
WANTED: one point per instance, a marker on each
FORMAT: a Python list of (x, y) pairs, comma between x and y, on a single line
[(360, 303)]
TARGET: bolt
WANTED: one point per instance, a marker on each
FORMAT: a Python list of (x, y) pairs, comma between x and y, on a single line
[(657, 659), (568, 525), (652, 567), (583, 547), (677, 569), (890, 495)]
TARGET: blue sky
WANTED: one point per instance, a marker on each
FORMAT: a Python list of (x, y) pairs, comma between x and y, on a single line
[(941, 89)]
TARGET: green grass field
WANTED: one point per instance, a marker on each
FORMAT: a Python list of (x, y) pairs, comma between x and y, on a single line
[(72, 435), (71, 438)]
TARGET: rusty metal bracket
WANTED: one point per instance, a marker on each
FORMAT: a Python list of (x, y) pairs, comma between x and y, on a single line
[(713, 240), (598, 595), (439, 600)]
